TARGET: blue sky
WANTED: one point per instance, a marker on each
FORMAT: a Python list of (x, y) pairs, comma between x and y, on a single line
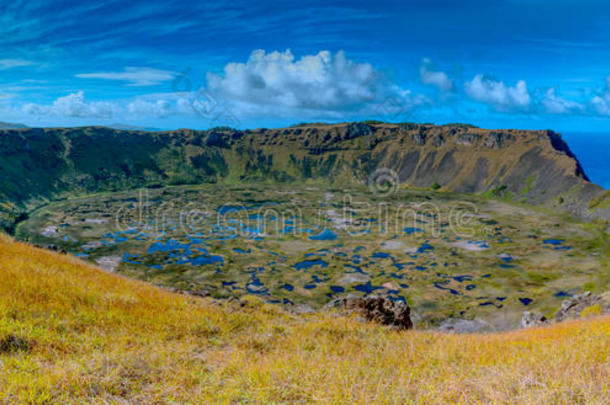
[(169, 64)]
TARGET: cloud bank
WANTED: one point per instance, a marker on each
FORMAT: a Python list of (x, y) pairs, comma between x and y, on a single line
[(73, 105), (435, 78), (601, 103), (321, 86), (134, 76), (554, 104), (497, 95)]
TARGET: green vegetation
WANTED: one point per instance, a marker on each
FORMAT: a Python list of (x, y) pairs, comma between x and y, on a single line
[(499, 192), (591, 311), (529, 183), (475, 267), (43, 165), (600, 202)]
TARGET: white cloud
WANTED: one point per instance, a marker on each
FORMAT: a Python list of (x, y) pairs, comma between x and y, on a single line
[(601, 103), (434, 78), (498, 95), (74, 105), (554, 104), (13, 63), (159, 108), (134, 76), (323, 84)]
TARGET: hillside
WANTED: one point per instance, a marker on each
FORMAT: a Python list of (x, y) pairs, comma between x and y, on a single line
[(10, 125), (40, 165), (71, 333)]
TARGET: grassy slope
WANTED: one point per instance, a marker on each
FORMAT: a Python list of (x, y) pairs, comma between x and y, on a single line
[(96, 337)]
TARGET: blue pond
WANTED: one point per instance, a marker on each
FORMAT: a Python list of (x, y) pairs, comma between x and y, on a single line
[(222, 210), (440, 286), (256, 286), (168, 246), (554, 242), (306, 264), (410, 231), (525, 301), (201, 260), (380, 255), (337, 289), (355, 269), (367, 288), (425, 247), (324, 235), (506, 259)]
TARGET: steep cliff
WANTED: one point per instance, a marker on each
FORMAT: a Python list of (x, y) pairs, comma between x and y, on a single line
[(39, 165)]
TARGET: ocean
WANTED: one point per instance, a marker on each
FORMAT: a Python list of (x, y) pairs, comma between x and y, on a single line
[(593, 152)]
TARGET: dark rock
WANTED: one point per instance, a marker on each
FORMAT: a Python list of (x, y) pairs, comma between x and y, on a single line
[(377, 309), (217, 139), (496, 140), (419, 138), (530, 319), (467, 138), (438, 140), (357, 129), (199, 293)]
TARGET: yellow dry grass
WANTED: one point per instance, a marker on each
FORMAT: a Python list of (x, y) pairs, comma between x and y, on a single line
[(85, 336)]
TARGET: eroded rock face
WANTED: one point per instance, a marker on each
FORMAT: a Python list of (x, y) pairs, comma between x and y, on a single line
[(377, 309), (357, 129), (531, 319)]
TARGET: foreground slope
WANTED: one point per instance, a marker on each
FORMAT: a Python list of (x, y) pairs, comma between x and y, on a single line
[(72, 333)]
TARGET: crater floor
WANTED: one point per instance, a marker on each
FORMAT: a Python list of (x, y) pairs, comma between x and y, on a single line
[(448, 255)]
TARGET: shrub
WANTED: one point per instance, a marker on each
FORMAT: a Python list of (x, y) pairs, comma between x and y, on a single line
[(592, 310)]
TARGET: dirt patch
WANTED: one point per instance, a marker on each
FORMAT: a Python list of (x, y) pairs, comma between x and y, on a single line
[(14, 344)]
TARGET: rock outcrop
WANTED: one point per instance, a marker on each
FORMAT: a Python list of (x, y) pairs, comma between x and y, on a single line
[(572, 307), (382, 310), (532, 319), (575, 307)]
